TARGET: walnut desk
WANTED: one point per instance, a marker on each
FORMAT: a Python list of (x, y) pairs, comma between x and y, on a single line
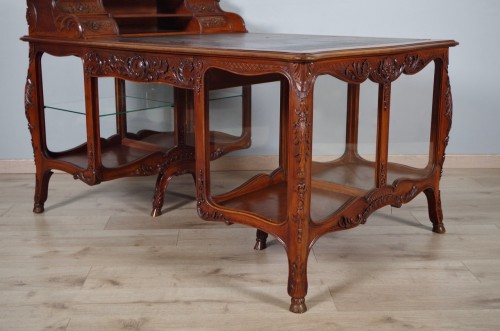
[(301, 200), (163, 150)]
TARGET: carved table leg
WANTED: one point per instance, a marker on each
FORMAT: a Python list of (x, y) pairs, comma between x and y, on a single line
[(435, 211), (440, 129), (33, 102), (41, 190), (297, 278), (159, 196), (261, 241), (162, 181), (298, 175)]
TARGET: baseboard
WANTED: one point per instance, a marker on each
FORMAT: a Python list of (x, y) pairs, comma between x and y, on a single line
[(270, 162)]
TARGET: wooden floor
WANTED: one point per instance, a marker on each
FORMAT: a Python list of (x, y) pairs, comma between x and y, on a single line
[(96, 261)]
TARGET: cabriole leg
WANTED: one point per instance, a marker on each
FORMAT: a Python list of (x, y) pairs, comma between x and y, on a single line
[(435, 211), (41, 190)]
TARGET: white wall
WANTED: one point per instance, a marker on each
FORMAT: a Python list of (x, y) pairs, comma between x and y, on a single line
[(474, 70)]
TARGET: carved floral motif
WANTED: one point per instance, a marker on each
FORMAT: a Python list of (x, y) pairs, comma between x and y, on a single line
[(358, 71), (349, 222), (413, 64), (383, 72), (213, 21), (386, 102), (303, 76), (141, 68), (203, 210), (378, 199), (382, 181), (301, 142), (96, 26), (387, 71), (297, 272)]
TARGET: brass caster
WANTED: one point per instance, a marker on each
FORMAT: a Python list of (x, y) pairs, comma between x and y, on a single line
[(298, 306), (260, 245), (156, 212)]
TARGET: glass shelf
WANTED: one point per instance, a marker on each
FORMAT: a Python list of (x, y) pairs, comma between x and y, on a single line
[(107, 106)]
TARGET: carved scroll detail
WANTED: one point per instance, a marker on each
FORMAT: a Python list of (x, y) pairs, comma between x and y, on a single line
[(382, 72), (141, 68), (413, 64), (92, 175), (358, 71), (68, 24), (376, 202), (387, 71), (203, 210), (378, 199), (198, 80), (387, 97), (349, 222)]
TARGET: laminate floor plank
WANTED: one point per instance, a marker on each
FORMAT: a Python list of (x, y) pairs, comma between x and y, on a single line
[(96, 260)]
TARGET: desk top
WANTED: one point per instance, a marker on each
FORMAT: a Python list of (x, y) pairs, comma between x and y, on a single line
[(259, 45)]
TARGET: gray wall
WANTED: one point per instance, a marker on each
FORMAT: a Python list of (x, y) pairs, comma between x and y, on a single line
[(474, 70)]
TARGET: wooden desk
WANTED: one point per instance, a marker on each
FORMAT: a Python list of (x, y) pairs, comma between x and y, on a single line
[(142, 153), (281, 203)]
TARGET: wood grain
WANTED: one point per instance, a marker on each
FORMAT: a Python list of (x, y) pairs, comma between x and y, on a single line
[(88, 272)]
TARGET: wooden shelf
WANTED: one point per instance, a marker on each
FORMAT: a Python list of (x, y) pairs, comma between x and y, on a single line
[(359, 174), (271, 202), (333, 185), (117, 153)]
